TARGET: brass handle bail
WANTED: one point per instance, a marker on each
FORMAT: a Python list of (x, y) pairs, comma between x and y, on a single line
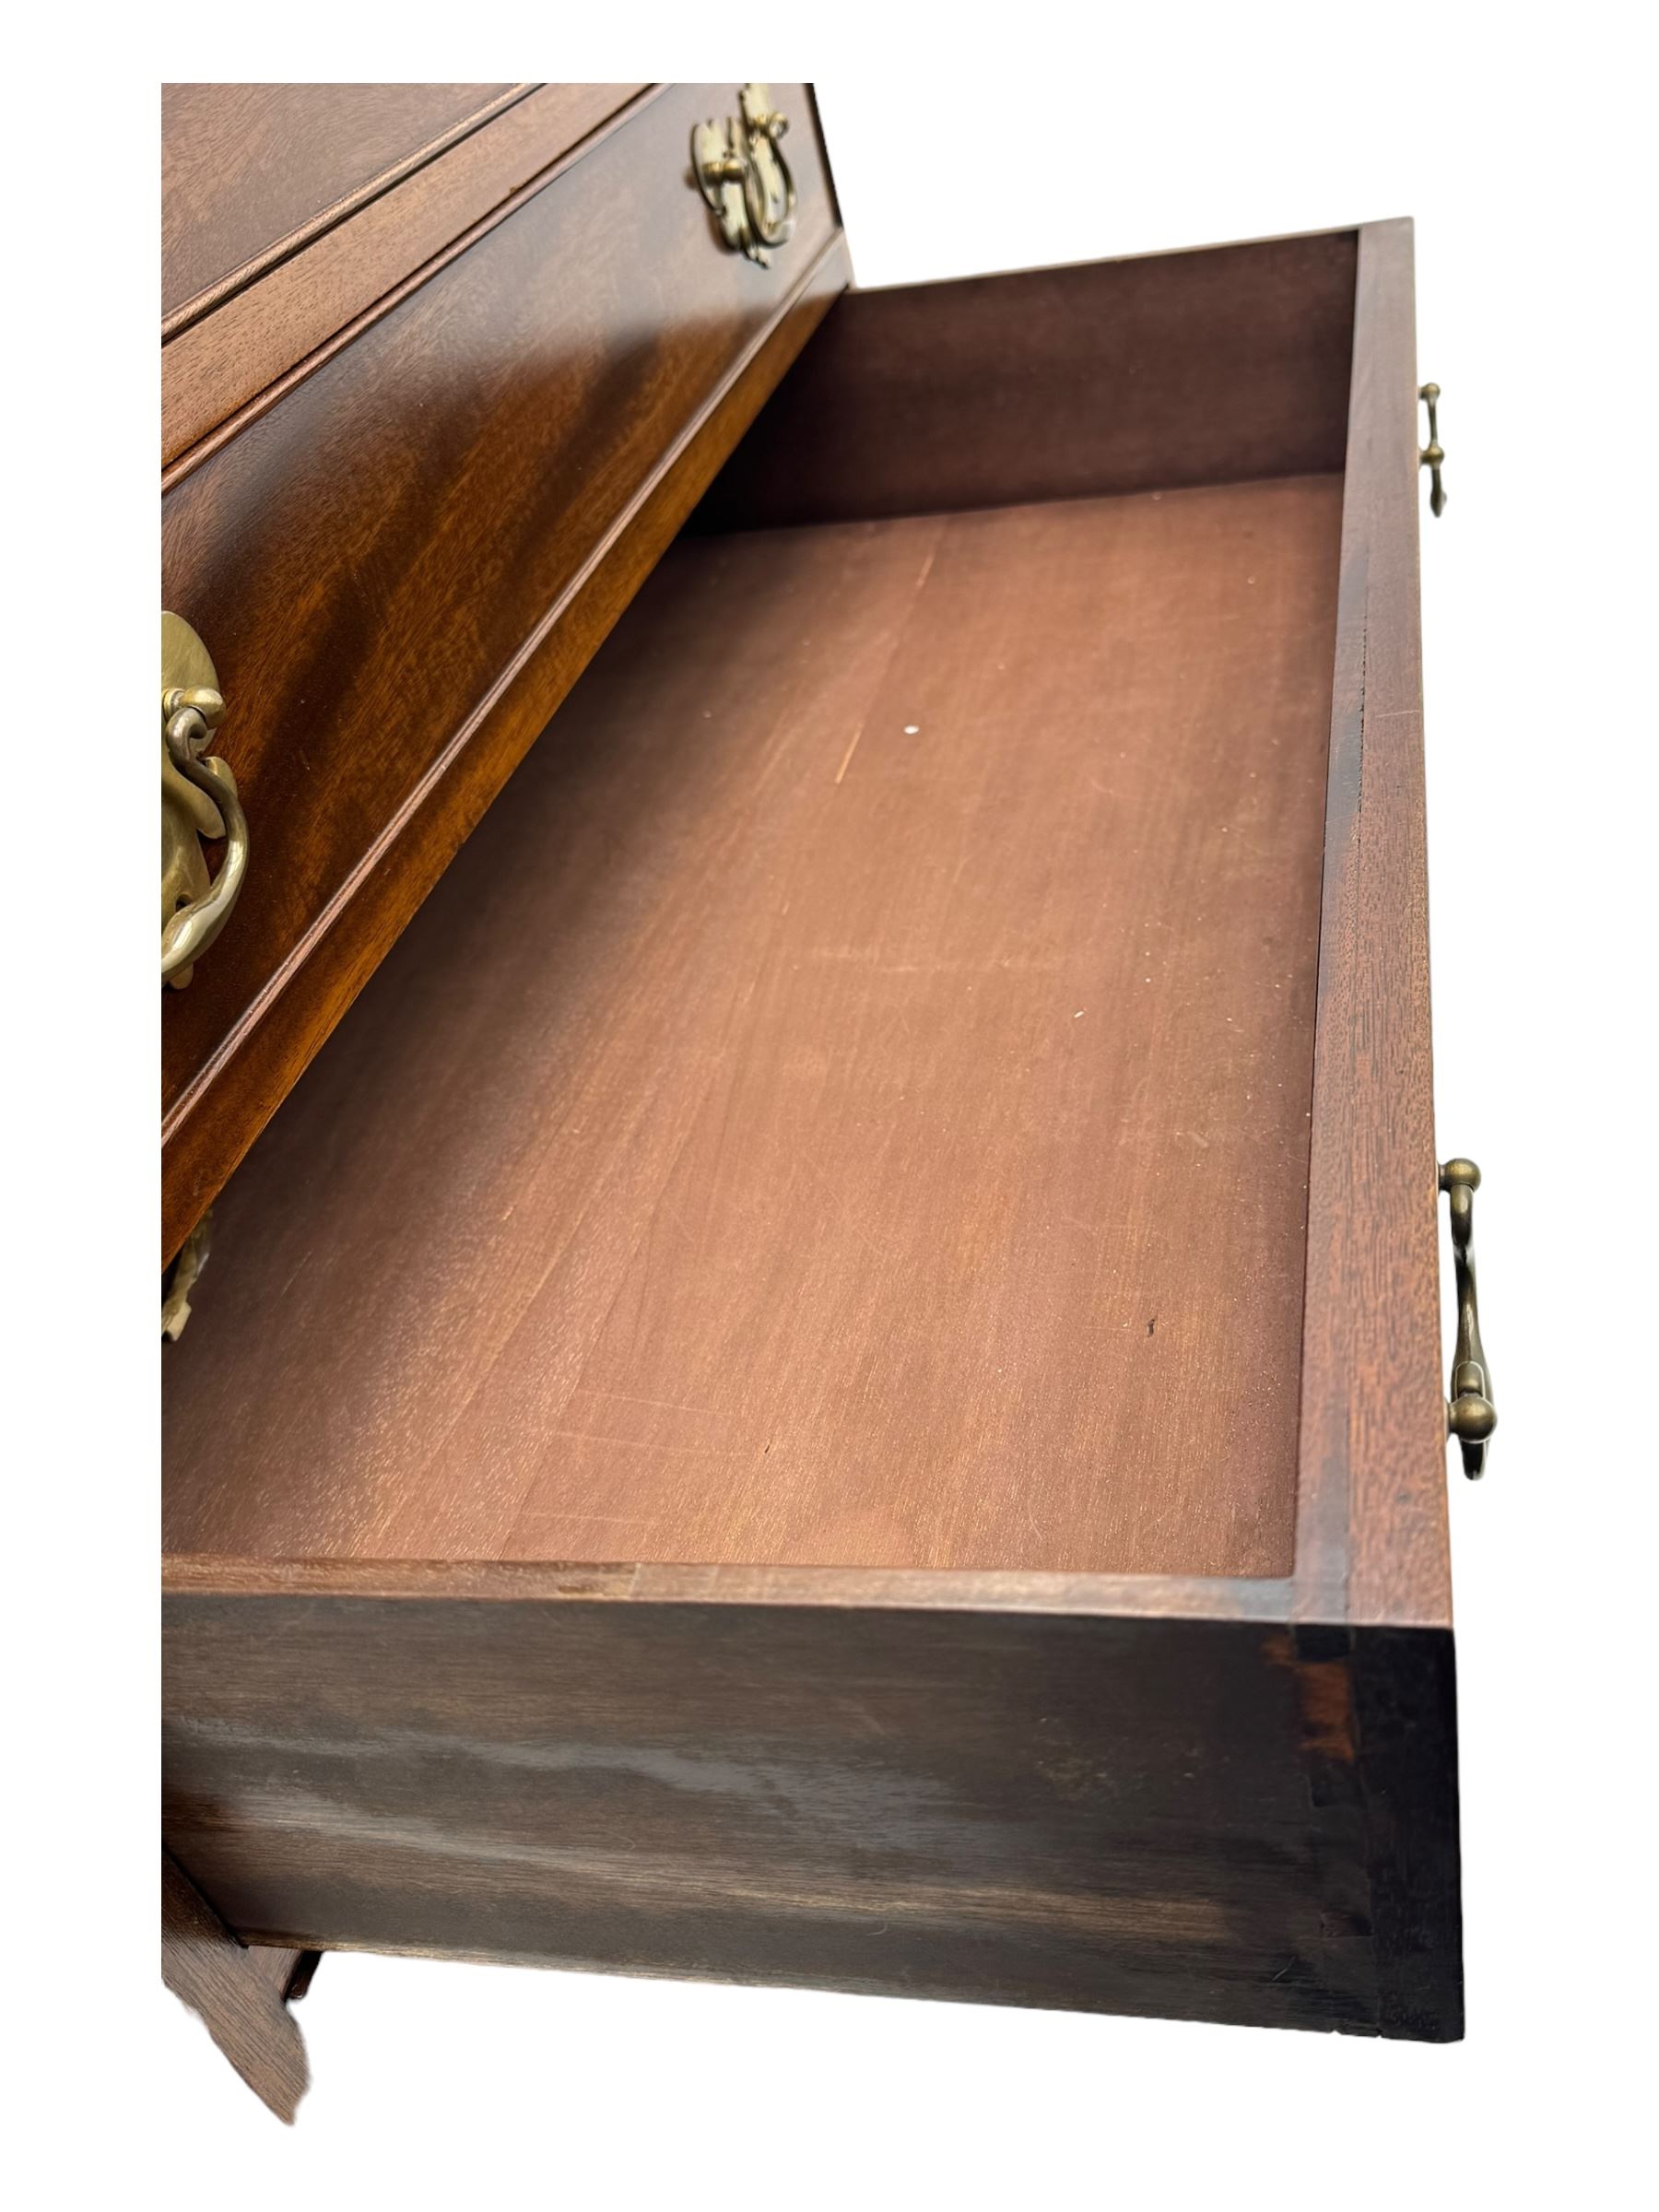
[(198, 801), (1432, 455), (1470, 1415), (743, 175)]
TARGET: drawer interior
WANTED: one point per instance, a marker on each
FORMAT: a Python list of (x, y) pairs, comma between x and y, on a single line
[(848, 1104)]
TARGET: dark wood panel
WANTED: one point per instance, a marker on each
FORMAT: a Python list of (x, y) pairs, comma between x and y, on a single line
[(849, 1105), (1057, 384), (401, 567), (249, 169), (1372, 1540), (240, 1994), (222, 360), (1158, 1817)]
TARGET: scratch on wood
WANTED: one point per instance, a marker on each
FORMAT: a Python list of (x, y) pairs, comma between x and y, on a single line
[(847, 755)]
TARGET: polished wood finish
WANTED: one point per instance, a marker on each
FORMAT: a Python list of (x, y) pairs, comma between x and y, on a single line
[(848, 1106), (250, 173), (242, 1993), (1135, 1815), (990, 1772), (1136, 375), (224, 355), (1371, 1538), (1132, 1596), (403, 566)]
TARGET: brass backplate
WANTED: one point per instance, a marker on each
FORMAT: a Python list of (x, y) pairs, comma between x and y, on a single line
[(740, 170)]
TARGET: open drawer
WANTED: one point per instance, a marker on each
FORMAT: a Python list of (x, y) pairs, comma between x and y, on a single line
[(832, 1378)]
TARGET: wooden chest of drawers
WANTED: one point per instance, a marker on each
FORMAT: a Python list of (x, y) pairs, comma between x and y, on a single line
[(405, 547), (833, 1376)]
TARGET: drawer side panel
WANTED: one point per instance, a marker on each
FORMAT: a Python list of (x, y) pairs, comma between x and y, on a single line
[(1372, 1541)]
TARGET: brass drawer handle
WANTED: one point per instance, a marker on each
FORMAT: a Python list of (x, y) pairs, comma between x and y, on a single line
[(198, 800), (1470, 1415), (744, 177), (1432, 455)]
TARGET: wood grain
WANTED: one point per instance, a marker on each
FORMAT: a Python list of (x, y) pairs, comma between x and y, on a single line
[(220, 359), (250, 171), (1228, 1795), (1145, 1816), (402, 566), (1134, 375), (849, 1106), (1128, 1596), (1372, 1541), (241, 1992)]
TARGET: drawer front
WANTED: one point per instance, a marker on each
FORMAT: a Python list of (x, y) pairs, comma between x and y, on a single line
[(401, 565), (747, 1778), (250, 170), (343, 258)]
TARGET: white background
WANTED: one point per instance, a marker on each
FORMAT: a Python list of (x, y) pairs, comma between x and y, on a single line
[(981, 140)]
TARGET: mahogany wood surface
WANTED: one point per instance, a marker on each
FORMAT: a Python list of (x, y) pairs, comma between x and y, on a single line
[(237, 345), (1166, 1817), (1230, 1796), (1132, 375), (248, 172), (1130, 1596), (1372, 1541), (401, 567), (240, 1992), (849, 1104)]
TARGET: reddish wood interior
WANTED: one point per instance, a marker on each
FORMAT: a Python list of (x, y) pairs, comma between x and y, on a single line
[(847, 1104)]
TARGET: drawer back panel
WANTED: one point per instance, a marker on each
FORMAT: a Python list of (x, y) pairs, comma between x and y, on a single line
[(1113, 376)]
